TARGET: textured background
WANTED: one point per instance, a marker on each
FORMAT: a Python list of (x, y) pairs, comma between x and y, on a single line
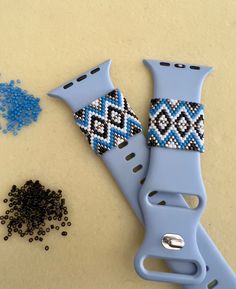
[(47, 42)]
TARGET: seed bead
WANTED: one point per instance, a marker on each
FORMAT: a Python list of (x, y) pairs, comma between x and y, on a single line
[(33, 210)]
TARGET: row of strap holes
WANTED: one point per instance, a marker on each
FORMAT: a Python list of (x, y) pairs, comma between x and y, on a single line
[(129, 157), (138, 167), (82, 77), (178, 65)]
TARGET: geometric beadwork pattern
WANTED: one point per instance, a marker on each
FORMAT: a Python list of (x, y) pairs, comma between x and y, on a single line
[(176, 124), (108, 121)]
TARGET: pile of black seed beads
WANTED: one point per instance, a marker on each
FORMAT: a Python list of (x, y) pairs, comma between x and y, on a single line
[(34, 211)]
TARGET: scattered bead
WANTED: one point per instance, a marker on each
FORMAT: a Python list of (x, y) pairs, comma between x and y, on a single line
[(18, 108), (46, 248), (33, 208)]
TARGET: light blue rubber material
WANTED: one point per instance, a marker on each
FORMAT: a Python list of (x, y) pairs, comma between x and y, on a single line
[(96, 85), (173, 171)]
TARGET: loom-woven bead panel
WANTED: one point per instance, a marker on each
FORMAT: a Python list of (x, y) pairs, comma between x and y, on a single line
[(108, 121), (176, 124)]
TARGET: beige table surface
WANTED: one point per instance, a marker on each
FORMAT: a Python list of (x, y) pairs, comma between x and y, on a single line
[(47, 42)]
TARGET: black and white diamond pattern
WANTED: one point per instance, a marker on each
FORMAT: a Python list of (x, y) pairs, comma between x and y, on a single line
[(176, 124), (108, 121)]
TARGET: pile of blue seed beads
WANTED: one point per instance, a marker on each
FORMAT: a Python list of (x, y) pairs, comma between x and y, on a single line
[(18, 108), (34, 211)]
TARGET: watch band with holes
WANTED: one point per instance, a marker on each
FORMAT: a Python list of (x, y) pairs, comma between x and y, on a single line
[(174, 167), (79, 93), (177, 87), (126, 149)]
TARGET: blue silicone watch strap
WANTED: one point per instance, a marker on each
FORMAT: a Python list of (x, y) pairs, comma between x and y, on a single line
[(97, 85), (170, 82), (173, 169), (82, 91)]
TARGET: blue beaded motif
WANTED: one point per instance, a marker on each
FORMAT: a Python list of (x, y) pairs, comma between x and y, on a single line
[(176, 124), (18, 108), (108, 121)]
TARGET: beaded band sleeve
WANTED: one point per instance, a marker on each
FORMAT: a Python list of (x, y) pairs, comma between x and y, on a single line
[(108, 121), (176, 124)]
